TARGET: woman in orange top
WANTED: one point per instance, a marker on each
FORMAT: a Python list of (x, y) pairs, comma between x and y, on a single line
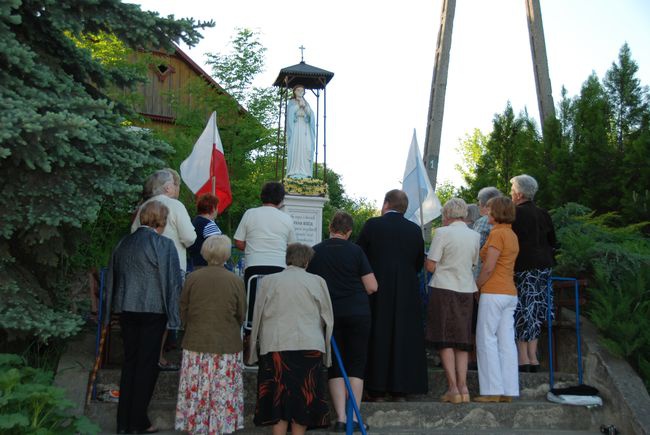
[(496, 351)]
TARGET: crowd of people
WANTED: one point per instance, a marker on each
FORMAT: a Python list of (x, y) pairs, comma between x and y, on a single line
[(489, 264)]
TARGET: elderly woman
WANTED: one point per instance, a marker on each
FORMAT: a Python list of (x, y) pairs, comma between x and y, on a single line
[(293, 321), (143, 284), (212, 308), (537, 243), (495, 334), (350, 280), (453, 253)]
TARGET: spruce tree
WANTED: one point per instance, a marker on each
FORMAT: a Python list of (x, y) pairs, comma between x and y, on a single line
[(65, 148), (595, 159)]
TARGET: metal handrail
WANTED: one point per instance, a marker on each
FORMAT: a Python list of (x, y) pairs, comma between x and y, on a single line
[(351, 403), (549, 324)]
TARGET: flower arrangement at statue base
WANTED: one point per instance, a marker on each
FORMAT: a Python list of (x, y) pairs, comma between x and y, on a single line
[(305, 186)]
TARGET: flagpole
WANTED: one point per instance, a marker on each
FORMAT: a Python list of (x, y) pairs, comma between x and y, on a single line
[(212, 162)]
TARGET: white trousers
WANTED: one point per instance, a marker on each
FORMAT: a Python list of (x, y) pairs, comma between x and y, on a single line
[(496, 351)]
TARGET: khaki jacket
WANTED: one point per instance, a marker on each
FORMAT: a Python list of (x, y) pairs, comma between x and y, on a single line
[(213, 307), (293, 311)]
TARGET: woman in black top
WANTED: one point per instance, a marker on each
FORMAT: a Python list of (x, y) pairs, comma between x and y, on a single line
[(537, 243), (350, 280)]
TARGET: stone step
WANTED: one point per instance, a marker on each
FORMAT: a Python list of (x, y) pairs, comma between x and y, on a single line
[(266, 431), (415, 417), (531, 385)]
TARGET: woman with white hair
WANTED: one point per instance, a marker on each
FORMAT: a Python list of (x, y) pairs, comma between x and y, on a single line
[(212, 308), (454, 251), (537, 243)]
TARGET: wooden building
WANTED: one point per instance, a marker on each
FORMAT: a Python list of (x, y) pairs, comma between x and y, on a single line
[(168, 78)]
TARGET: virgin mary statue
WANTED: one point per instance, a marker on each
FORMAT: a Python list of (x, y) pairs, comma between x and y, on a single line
[(300, 135)]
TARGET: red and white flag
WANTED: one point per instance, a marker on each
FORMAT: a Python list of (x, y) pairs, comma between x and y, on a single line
[(205, 171)]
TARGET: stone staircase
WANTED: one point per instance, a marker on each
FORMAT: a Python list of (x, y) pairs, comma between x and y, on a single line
[(530, 414)]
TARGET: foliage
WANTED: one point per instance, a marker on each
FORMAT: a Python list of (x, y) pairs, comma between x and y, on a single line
[(595, 152), (616, 260), (29, 404), (360, 209), (65, 148)]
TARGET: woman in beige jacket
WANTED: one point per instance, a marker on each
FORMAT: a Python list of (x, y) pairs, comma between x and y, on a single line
[(293, 321)]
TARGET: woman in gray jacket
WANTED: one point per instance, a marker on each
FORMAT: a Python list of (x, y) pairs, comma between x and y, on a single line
[(143, 284)]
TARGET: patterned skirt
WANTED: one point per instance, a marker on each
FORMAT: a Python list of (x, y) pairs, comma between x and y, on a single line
[(210, 393), (532, 306), (290, 387)]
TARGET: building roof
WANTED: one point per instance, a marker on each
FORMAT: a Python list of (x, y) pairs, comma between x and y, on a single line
[(309, 76)]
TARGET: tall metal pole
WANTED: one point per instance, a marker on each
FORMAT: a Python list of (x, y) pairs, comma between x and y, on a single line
[(438, 90), (540, 62)]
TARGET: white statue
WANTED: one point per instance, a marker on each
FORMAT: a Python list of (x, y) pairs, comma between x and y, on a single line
[(301, 133)]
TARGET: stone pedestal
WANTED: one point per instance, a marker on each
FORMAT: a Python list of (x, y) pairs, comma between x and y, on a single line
[(307, 215)]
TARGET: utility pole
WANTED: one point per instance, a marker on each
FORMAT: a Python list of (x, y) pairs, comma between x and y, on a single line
[(540, 62)]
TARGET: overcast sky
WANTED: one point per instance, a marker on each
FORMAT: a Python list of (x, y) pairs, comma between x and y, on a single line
[(382, 56)]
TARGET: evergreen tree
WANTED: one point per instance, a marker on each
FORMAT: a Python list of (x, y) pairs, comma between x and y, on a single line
[(626, 96), (630, 109), (595, 160), (65, 148), (510, 150)]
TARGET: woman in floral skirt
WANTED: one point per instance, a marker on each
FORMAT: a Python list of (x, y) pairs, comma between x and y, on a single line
[(212, 308)]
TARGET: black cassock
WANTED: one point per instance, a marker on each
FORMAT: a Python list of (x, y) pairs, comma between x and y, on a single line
[(396, 356)]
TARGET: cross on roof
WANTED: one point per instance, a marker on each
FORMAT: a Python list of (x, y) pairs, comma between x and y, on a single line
[(302, 53)]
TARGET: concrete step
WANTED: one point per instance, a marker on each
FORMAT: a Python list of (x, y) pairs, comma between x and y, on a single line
[(416, 417), (531, 385), (266, 431)]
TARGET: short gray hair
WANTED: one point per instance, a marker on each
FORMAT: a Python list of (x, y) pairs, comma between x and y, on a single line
[(159, 180), (486, 194), (216, 249), (299, 254), (525, 185), (455, 208)]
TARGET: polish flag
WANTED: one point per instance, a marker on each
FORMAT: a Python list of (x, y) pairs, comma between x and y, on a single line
[(205, 171)]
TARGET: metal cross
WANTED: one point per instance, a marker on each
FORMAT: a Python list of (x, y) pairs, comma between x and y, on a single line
[(302, 53)]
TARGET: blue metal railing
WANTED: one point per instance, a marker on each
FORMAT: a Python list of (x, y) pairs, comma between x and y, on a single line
[(351, 403), (549, 323)]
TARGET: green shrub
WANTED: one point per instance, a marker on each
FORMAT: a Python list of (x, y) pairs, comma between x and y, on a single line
[(616, 260), (29, 404)]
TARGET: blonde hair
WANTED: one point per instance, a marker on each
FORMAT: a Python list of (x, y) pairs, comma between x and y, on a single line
[(216, 249)]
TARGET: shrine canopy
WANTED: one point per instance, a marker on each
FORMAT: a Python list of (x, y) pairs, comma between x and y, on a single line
[(309, 76)]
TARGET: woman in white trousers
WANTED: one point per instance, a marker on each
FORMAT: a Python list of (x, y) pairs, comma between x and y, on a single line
[(496, 351)]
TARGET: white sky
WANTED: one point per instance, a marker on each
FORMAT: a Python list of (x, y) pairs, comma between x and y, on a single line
[(382, 56)]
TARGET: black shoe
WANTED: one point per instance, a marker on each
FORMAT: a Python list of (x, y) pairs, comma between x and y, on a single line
[(534, 368), (340, 427), (524, 368), (357, 428)]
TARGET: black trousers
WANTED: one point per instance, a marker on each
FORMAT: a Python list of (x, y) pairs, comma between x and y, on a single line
[(141, 335)]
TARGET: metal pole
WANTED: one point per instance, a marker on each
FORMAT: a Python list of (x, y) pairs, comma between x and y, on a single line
[(317, 93), (325, 136), (277, 143)]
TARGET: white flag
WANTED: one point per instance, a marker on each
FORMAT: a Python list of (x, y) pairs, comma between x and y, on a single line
[(204, 170), (424, 205)]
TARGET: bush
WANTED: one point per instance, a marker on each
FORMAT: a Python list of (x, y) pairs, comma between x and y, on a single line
[(616, 260), (29, 404)]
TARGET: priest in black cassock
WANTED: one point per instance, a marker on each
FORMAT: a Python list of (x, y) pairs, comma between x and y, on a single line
[(396, 357)]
